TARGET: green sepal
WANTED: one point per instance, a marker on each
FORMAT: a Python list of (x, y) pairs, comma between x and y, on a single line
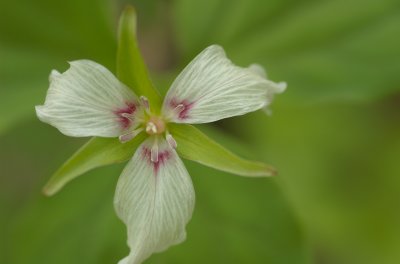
[(95, 153), (196, 146), (131, 68)]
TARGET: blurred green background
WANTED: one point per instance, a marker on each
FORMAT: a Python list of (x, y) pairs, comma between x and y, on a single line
[(334, 135)]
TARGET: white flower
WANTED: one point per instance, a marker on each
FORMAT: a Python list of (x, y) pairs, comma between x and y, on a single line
[(154, 196)]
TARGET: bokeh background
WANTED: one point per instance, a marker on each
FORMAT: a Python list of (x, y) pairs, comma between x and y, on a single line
[(334, 135)]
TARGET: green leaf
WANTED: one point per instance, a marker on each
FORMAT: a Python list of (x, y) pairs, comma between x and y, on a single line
[(131, 69), (95, 153), (196, 146)]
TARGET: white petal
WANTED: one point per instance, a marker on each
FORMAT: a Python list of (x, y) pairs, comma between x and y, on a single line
[(88, 100), (258, 69), (275, 88), (211, 87), (154, 200)]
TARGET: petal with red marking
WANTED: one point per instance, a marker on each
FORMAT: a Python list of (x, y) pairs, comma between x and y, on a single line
[(155, 200), (211, 87), (88, 100)]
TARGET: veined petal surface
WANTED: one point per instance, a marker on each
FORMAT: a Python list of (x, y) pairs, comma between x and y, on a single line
[(275, 88), (155, 200), (211, 87), (88, 100)]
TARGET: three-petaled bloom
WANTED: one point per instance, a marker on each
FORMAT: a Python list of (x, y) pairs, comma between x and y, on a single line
[(154, 195)]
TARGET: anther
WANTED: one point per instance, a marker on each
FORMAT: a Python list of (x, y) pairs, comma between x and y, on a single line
[(154, 152), (179, 108), (128, 136), (127, 115), (176, 111)]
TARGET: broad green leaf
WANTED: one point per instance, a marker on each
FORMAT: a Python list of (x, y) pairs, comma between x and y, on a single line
[(131, 69), (196, 146), (95, 153)]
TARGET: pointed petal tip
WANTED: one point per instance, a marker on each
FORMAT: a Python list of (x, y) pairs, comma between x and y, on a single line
[(70, 63), (53, 75), (84, 62), (281, 87), (217, 49), (258, 70), (216, 46)]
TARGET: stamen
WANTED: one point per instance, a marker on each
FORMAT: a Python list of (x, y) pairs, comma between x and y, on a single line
[(179, 108), (127, 115), (171, 141), (145, 103), (154, 152), (176, 111), (129, 136)]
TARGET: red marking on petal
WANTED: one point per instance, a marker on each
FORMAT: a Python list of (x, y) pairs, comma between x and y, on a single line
[(129, 109), (163, 157), (187, 105)]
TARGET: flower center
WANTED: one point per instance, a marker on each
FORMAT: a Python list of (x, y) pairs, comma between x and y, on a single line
[(155, 125)]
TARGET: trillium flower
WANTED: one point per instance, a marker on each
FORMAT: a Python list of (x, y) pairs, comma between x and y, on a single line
[(154, 195)]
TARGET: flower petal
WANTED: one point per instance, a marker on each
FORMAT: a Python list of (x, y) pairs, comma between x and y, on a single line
[(155, 200), (276, 88), (211, 87), (88, 100)]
